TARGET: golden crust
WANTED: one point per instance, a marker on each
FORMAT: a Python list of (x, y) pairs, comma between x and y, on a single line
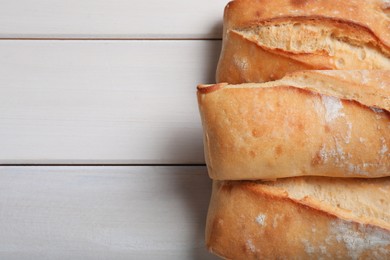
[(308, 122), (255, 132), (368, 14), (358, 29), (249, 220), (204, 89)]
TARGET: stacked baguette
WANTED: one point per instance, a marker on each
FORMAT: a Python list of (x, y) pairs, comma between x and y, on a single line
[(297, 131)]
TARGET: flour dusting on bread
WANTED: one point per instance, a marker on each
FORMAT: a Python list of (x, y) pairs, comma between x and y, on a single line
[(333, 108), (349, 133), (384, 149), (250, 245), (260, 219), (360, 238)]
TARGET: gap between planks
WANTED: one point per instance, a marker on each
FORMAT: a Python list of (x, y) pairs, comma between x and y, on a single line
[(109, 39), (103, 165)]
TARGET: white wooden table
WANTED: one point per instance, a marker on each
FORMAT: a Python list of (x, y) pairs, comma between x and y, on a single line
[(101, 148)]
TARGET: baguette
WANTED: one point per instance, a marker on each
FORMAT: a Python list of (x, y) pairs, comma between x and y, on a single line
[(319, 123), (264, 40), (300, 218)]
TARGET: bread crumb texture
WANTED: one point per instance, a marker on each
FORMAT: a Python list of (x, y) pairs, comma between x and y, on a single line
[(324, 39)]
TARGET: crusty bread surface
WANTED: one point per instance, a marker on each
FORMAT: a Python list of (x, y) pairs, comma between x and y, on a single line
[(297, 131), (264, 40), (320, 123), (300, 218)]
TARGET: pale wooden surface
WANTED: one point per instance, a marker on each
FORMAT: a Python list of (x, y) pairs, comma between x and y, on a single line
[(103, 101), (118, 88), (111, 19), (103, 212)]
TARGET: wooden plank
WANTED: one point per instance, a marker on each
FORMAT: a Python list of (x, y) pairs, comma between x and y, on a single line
[(103, 212), (111, 19), (103, 101)]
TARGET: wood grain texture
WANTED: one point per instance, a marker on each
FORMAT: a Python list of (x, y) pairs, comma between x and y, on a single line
[(103, 101), (111, 19), (103, 212)]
